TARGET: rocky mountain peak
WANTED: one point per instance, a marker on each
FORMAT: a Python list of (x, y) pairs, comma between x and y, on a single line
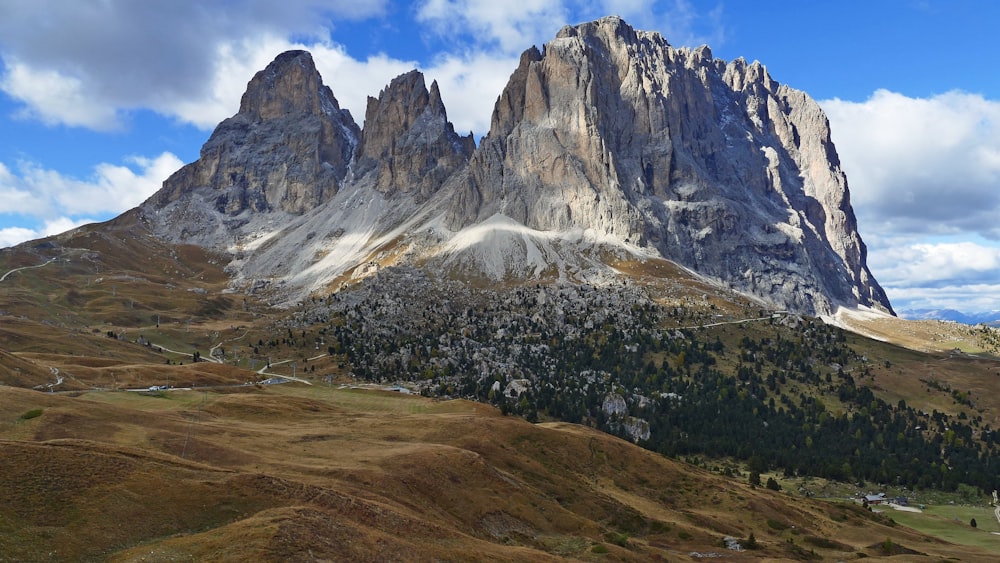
[(290, 84), (718, 167), (606, 139), (408, 142), (287, 149)]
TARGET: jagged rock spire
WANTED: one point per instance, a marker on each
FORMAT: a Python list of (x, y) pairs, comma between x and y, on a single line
[(408, 140), (290, 84)]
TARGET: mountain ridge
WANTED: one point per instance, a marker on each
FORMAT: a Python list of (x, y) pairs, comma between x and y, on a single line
[(991, 318), (607, 141)]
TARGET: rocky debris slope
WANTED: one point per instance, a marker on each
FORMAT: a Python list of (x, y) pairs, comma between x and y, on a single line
[(607, 139)]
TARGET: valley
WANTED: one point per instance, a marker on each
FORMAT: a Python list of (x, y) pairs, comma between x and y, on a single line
[(280, 463), (633, 322)]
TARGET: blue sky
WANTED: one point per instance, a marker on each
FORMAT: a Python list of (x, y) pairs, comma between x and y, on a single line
[(100, 100)]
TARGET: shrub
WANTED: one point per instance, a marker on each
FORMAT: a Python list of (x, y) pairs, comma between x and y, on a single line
[(657, 527), (887, 547), (33, 413), (621, 540), (776, 525), (599, 548)]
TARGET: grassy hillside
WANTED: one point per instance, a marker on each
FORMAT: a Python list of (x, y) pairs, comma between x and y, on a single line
[(295, 472), (237, 469)]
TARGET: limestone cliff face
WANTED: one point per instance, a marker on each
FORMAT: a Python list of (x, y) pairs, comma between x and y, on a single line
[(715, 165), (606, 136), (408, 142), (287, 149)]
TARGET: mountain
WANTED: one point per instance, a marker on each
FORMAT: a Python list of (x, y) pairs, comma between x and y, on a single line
[(991, 318), (276, 309), (287, 149), (606, 145)]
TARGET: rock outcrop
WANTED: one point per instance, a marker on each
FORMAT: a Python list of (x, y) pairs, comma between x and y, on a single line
[(408, 141), (287, 149), (715, 165), (607, 136)]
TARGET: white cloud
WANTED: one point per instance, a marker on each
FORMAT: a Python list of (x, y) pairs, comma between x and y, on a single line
[(470, 83), (960, 275), (678, 21), (922, 170), (927, 165), (89, 63), (10, 236), (470, 86), (54, 98), (967, 298), (510, 26), (45, 202), (235, 63), (352, 80), (62, 224), (46, 194), (923, 263)]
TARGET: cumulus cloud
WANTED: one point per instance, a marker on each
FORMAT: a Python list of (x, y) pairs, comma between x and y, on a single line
[(491, 35), (353, 80), (11, 236), (940, 264), (926, 273), (470, 85), (921, 165), (510, 26), (470, 82), (56, 200), (55, 98), (89, 62), (924, 175), (967, 298), (678, 20)]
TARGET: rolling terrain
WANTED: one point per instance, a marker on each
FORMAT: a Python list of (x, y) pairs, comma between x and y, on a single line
[(587, 337), (229, 471), (331, 473)]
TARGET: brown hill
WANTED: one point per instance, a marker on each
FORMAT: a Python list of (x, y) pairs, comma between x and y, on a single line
[(295, 473)]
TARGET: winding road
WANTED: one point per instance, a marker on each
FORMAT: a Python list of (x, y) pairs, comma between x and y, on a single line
[(4, 277), (209, 358), (776, 315)]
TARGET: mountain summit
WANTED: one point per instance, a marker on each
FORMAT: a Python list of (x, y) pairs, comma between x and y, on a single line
[(606, 144), (287, 149)]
